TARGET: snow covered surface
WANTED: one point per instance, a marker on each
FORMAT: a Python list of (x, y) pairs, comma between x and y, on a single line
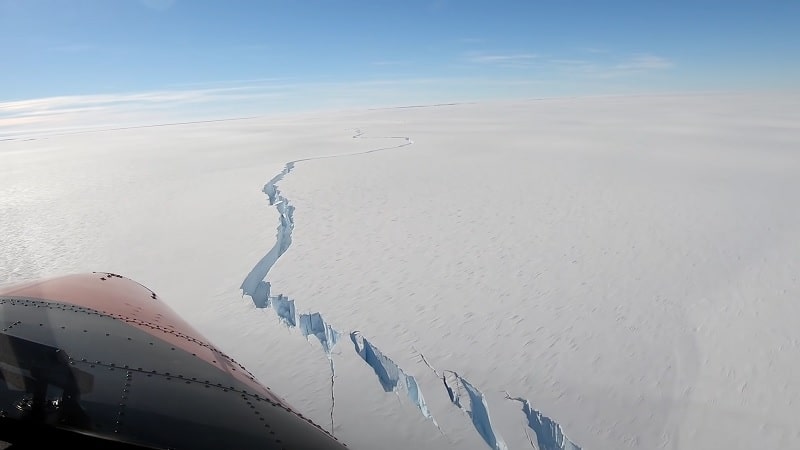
[(596, 273)]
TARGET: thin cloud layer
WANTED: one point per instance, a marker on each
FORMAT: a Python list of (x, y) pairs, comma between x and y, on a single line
[(646, 62), (510, 58), (601, 64)]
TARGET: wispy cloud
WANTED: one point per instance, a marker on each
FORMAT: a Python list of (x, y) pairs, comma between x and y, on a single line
[(502, 59), (255, 97), (108, 110), (645, 62), (242, 82), (595, 50), (58, 104), (586, 62), (80, 112), (609, 67), (389, 63)]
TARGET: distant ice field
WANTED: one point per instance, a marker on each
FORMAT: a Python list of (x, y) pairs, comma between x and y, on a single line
[(629, 265)]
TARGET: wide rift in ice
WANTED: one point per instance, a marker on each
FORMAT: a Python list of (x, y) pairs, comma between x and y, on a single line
[(392, 378), (474, 405), (549, 434), (477, 410), (390, 375), (314, 324)]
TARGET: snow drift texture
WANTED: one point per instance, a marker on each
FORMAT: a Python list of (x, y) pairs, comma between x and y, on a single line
[(628, 265)]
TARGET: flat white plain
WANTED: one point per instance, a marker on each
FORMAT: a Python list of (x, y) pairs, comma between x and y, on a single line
[(628, 264)]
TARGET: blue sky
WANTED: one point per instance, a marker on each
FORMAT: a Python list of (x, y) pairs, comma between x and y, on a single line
[(236, 57)]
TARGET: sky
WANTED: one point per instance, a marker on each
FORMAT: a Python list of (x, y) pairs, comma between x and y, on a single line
[(128, 60)]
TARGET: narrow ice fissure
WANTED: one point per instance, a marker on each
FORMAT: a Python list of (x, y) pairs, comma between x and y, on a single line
[(392, 378)]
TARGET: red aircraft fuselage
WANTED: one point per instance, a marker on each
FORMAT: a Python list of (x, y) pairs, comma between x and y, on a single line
[(100, 360)]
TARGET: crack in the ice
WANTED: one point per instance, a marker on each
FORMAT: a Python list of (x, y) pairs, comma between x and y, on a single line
[(392, 378), (549, 434), (478, 410), (256, 286), (314, 324), (390, 375)]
